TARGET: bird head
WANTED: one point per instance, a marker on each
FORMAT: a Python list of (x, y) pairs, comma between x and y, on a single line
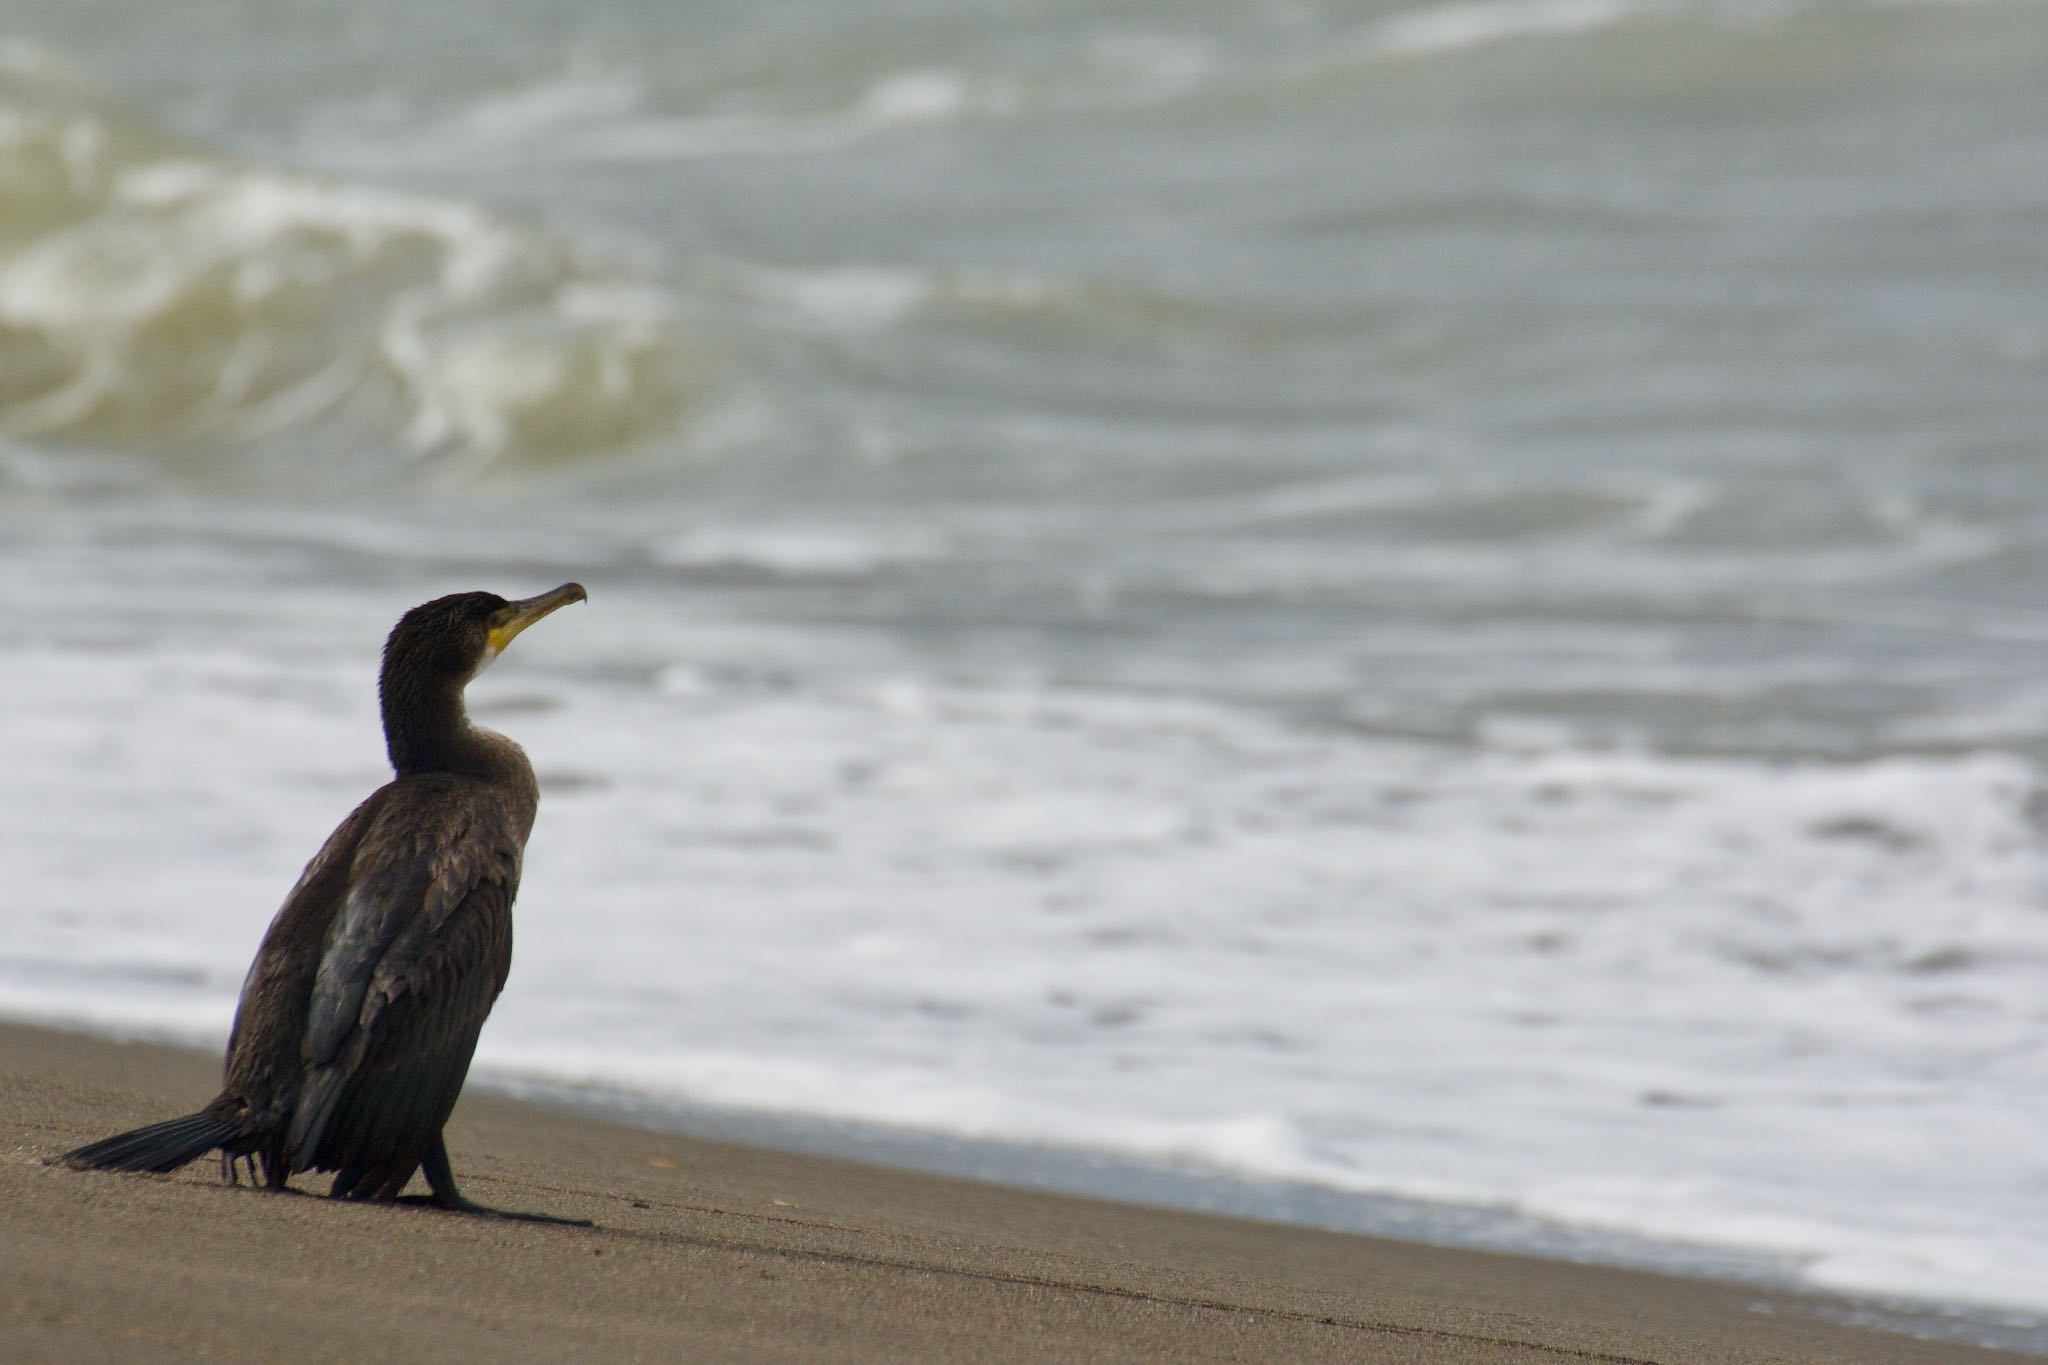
[(451, 639)]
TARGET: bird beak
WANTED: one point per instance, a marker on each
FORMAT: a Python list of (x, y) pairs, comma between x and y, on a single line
[(514, 617)]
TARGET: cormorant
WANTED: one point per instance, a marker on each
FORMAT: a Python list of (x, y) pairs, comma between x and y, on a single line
[(360, 1014)]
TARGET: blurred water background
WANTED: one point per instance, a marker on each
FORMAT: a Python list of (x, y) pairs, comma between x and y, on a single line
[(1440, 599)]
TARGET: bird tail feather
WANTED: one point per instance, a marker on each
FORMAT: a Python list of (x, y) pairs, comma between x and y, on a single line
[(159, 1147)]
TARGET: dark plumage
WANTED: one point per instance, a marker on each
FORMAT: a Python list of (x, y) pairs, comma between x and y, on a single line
[(361, 1012)]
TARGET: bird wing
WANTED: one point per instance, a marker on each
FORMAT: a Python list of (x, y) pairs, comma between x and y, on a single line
[(401, 879), (266, 1047), (412, 966)]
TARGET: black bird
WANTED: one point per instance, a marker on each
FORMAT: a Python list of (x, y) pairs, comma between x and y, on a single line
[(360, 1015)]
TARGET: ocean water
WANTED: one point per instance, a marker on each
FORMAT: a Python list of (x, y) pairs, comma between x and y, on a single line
[(1439, 602)]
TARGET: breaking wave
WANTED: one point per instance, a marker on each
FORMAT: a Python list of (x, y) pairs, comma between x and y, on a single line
[(158, 298)]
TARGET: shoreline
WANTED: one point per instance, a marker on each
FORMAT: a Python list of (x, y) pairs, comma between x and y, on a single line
[(1129, 1180), (713, 1250)]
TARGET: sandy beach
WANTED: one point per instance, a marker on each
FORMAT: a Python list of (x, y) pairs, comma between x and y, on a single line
[(706, 1251)]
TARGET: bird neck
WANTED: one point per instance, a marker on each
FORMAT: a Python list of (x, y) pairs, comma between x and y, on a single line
[(427, 730)]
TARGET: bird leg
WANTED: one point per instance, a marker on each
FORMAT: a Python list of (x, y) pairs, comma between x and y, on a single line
[(441, 1180)]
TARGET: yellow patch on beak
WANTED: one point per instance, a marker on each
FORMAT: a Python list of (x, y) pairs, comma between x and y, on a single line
[(514, 617)]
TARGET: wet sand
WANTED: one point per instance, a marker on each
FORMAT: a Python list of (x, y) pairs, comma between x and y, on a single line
[(706, 1251)]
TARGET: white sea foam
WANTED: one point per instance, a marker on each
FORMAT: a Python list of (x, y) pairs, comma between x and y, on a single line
[(826, 550), (1448, 28), (1436, 30), (1767, 1005), (849, 297), (869, 298)]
